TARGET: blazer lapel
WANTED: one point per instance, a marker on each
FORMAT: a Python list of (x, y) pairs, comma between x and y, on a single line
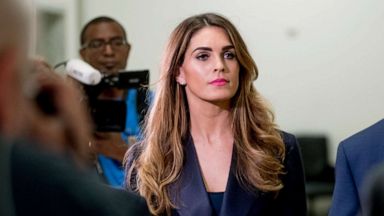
[(189, 192), (238, 201)]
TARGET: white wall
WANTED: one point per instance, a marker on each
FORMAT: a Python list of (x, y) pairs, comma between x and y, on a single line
[(320, 62), (57, 36)]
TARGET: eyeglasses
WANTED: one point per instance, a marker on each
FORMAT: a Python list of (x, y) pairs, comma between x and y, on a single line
[(99, 44)]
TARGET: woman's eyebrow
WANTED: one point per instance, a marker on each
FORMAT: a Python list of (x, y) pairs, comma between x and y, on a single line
[(202, 48)]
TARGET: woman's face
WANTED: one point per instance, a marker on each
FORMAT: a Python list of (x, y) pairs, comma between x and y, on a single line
[(210, 69)]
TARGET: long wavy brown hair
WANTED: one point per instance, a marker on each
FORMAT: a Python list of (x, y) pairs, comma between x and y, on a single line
[(258, 144)]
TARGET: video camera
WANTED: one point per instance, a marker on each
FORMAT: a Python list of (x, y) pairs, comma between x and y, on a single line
[(110, 115)]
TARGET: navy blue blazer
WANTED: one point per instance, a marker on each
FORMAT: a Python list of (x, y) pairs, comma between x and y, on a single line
[(191, 198), (356, 157)]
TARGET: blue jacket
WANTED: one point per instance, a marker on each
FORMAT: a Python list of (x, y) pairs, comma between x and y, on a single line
[(113, 171), (356, 157)]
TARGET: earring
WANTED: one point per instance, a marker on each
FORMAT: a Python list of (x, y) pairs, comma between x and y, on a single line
[(182, 83)]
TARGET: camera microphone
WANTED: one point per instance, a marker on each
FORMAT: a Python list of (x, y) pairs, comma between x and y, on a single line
[(83, 72)]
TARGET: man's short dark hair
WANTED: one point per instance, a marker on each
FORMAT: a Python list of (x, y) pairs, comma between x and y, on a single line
[(97, 20)]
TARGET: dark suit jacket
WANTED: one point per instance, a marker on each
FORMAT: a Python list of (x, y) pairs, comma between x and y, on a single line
[(44, 184), (356, 157), (6, 200), (191, 198)]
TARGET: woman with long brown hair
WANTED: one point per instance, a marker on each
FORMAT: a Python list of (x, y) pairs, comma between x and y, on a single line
[(210, 145)]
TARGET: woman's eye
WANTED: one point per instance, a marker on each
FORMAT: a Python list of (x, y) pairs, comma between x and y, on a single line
[(229, 55), (202, 56)]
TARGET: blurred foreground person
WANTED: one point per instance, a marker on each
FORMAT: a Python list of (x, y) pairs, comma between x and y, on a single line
[(43, 141), (210, 145), (373, 192)]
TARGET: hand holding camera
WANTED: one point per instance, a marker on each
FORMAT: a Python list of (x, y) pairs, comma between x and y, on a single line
[(56, 117)]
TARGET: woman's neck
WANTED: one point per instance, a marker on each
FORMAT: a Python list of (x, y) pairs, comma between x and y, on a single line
[(211, 130), (210, 123)]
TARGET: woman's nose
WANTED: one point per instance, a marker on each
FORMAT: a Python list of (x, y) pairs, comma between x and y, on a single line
[(219, 65)]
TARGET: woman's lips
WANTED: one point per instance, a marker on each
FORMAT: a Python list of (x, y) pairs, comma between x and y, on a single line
[(219, 82)]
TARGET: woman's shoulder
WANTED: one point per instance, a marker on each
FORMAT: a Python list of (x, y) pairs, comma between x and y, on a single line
[(290, 142)]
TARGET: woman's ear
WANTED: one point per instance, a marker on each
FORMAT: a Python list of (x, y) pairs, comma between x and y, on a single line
[(181, 77)]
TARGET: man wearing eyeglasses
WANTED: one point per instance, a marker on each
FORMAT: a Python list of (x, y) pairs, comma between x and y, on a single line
[(104, 45)]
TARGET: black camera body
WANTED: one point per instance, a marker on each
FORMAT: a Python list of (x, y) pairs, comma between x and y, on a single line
[(111, 115)]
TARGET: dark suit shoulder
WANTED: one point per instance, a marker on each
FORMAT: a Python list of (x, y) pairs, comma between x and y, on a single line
[(289, 140), (369, 136), (292, 152), (367, 144), (47, 184)]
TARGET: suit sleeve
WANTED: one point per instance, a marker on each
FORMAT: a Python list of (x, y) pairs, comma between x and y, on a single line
[(292, 197), (345, 200)]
